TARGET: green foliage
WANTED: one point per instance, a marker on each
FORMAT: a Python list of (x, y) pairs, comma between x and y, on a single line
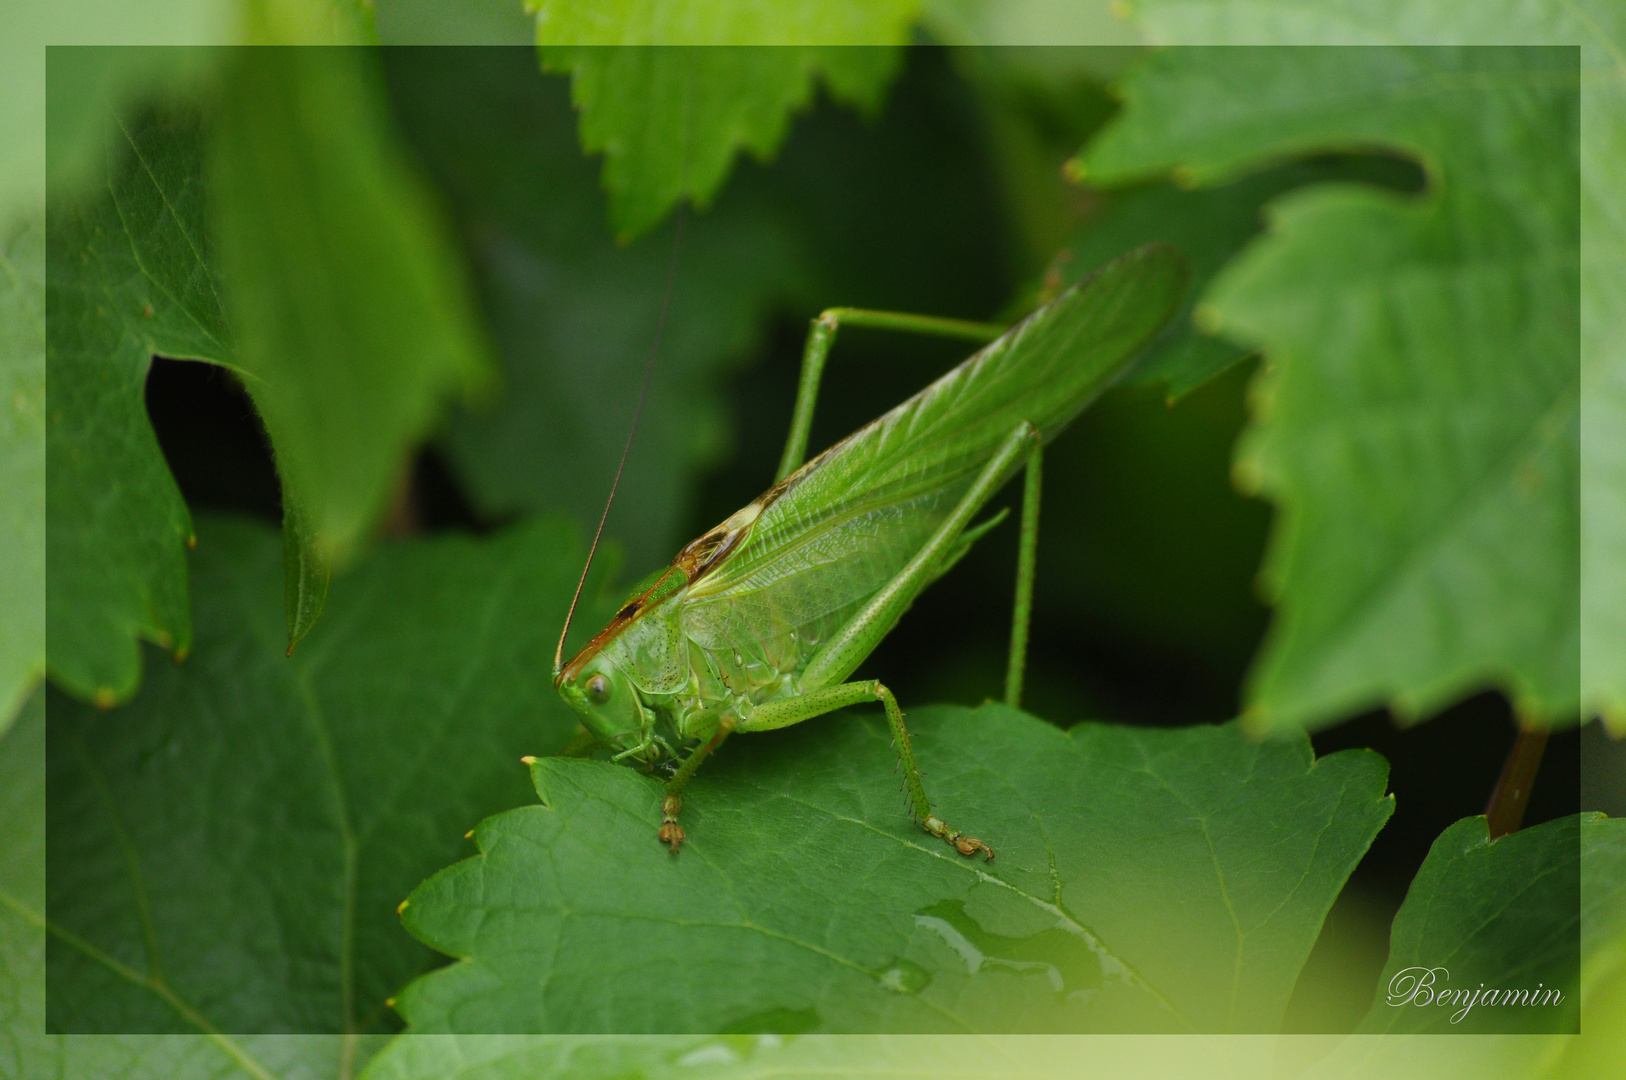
[(229, 848), (670, 112), (287, 805), (1145, 880), (1210, 225), (1500, 915), (346, 299), (129, 274), (573, 314), (22, 463), (828, 1057), (1400, 345), (1603, 362), (22, 889), (1465, 860), (201, 1057), (466, 22)]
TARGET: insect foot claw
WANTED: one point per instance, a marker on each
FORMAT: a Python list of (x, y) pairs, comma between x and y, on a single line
[(970, 845), (965, 845), (671, 833)]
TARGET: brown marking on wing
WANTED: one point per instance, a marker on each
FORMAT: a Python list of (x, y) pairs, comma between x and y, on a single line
[(698, 557)]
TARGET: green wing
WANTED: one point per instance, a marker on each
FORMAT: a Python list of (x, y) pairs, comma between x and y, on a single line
[(835, 531)]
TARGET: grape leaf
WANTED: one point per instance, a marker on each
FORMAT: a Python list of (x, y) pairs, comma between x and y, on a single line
[(828, 1057), (26, 1051), (468, 22), (345, 294), (200, 1057), (232, 850), (22, 889), (1601, 845), (670, 94), (1417, 422), (22, 463), (1500, 916), (134, 272), (128, 275), (1145, 879), (1210, 225), (1602, 33), (1599, 28)]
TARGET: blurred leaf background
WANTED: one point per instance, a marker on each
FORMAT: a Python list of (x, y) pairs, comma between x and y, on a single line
[(419, 233)]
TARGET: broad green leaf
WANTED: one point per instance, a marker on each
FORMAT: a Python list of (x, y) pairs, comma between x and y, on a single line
[(1602, 32), (1483, 921), (1417, 419), (345, 295), (1097, 29), (79, 126), (1599, 28), (133, 272), (849, 215), (856, 1057), (22, 463), (217, 1056), (232, 849), (1602, 1045), (1210, 225), (1145, 879), (573, 315), (128, 274), (1596, 1052), (22, 890), (467, 22), (669, 94)]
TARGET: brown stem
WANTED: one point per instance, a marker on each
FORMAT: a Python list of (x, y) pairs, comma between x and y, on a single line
[(1505, 811)]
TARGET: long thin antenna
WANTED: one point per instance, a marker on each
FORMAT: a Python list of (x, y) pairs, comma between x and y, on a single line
[(637, 414)]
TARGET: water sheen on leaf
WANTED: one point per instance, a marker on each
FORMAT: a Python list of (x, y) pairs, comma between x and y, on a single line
[(237, 842), (1146, 879), (1417, 419)]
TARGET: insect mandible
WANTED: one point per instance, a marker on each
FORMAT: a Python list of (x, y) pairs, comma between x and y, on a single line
[(758, 623)]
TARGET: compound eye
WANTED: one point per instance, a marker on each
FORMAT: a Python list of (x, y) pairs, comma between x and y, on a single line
[(598, 689)]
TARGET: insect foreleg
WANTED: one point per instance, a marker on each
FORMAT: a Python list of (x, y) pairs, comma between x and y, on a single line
[(1026, 561), (822, 336), (671, 833)]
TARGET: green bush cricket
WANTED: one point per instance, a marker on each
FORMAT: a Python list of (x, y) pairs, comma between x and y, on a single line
[(758, 623)]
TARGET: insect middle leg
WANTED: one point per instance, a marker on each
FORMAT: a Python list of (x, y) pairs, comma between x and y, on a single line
[(787, 711)]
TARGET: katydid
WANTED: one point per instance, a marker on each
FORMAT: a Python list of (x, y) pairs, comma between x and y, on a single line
[(758, 623)]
